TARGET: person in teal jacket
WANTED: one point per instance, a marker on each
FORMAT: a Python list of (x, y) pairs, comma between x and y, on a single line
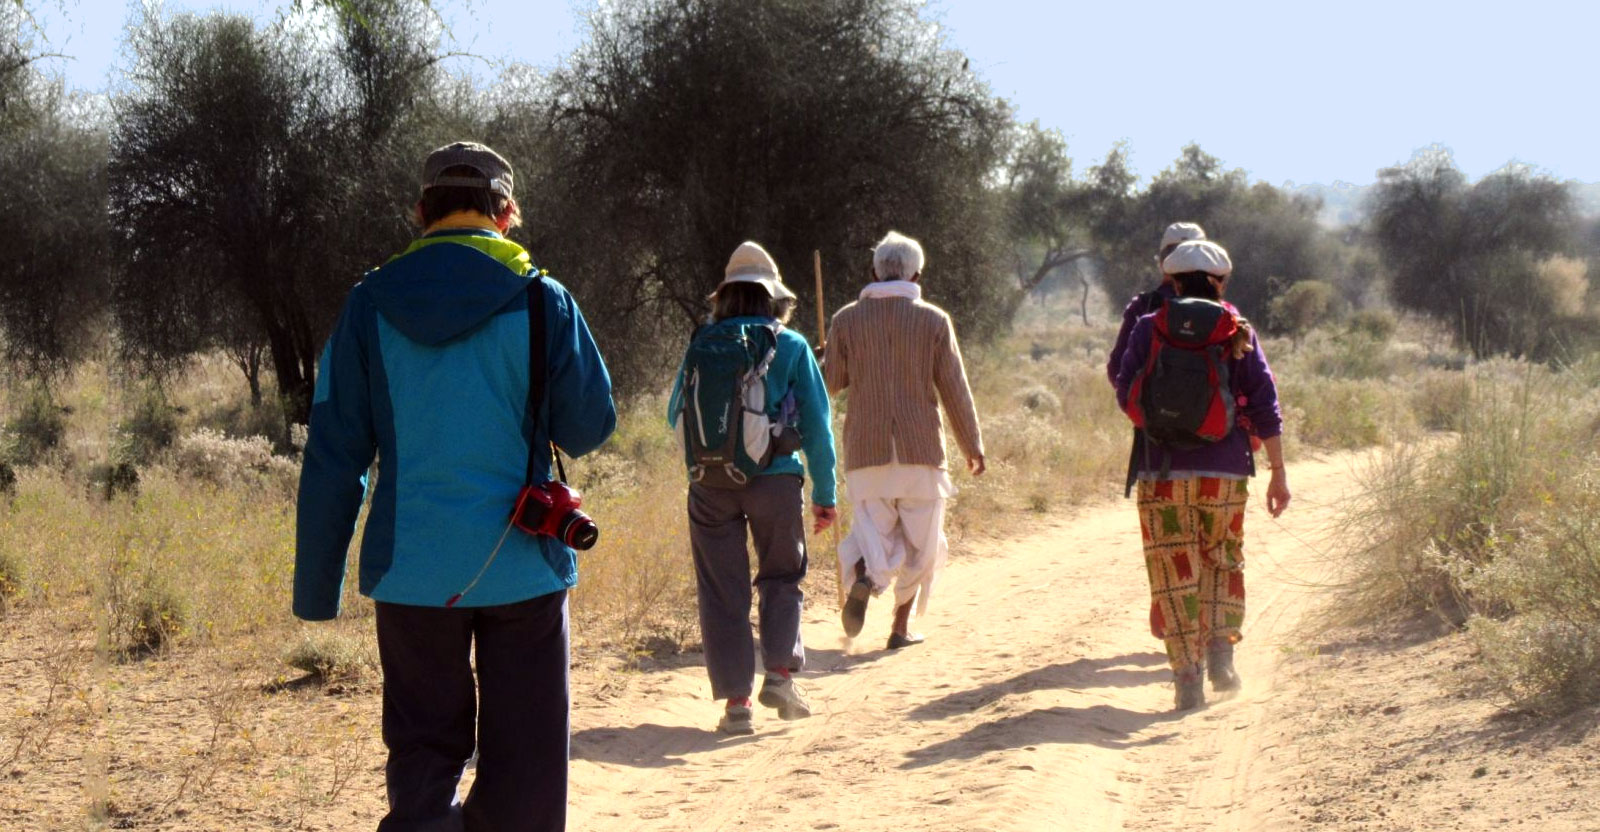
[(429, 370), (770, 510)]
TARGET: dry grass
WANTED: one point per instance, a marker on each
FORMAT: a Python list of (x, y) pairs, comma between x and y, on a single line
[(1494, 529)]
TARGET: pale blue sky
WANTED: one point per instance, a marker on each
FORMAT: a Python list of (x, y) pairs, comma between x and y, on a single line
[(1310, 92)]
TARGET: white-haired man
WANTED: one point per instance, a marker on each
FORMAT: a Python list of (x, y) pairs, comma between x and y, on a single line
[(897, 355)]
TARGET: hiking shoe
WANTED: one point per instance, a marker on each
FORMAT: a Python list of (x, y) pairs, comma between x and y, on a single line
[(736, 721), (782, 693), (899, 640), (1191, 691), (1219, 667), (854, 614)]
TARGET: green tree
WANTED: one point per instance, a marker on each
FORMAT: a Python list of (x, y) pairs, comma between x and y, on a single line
[(683, 127), (218, 177), (1268, 233), (53, 278), (1045, 214), (1302, 307), (256, 173), (1473, 254)]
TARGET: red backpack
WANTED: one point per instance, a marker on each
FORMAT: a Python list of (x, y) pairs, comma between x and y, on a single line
[(1182, 398)]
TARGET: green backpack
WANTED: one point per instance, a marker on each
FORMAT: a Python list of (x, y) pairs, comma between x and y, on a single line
[(722, 420)]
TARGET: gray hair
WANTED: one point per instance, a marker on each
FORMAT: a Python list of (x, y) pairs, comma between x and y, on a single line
[(897, 257)]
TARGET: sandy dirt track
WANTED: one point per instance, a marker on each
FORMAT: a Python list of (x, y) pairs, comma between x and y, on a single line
[(1039, 702)]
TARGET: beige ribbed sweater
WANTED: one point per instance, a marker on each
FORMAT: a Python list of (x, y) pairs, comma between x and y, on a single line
[(899, 359)]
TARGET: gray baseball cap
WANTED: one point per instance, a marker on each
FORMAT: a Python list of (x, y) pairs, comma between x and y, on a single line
[(494, 172)]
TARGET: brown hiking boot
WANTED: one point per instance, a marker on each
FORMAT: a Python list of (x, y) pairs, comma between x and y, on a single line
[(1219, 666), (1191, 690)]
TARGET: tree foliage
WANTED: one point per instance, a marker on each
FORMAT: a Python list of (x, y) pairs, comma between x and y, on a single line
[(248, 174), (1271, 236), (248, 167), (1302, 307), (684, 127), (52, 159), (1479, 255), (1046, 213)]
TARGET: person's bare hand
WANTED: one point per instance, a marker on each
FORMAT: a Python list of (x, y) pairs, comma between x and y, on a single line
[(976, 465), (824, 516), (1278, 492)]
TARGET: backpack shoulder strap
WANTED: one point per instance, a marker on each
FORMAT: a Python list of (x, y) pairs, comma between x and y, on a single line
[(538, 368), (764, 361)]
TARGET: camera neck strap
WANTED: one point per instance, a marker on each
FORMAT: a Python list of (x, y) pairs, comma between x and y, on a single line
[(538, 378)]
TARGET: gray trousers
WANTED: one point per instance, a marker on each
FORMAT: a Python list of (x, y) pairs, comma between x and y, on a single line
[(771, 511)]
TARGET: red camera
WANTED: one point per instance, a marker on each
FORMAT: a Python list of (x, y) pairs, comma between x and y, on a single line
[(551, 510)]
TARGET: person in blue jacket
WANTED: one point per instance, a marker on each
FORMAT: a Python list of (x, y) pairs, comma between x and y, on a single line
[(429, 370), (770, 510)]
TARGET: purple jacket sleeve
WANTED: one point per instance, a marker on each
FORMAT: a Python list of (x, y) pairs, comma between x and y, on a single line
[(1135, 352), (1253, 381), (1130, 316)]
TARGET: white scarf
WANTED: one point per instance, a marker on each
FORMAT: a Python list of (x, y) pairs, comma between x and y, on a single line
[(892, 289)]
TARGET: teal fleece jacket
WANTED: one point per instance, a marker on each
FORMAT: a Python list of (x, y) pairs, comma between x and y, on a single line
[(427, 370), (793, 369)]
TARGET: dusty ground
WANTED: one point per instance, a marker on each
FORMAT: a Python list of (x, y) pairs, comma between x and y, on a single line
[(1040, 702)]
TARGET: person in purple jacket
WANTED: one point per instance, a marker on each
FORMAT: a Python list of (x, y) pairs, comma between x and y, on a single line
[(1192, 502), (1146, 302)]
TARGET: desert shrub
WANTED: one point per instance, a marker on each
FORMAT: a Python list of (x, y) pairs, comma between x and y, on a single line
[(120, 478), (1348, 355), (242, 418), (35, 429), (607, 473), (1541, 660), (149, 428), (1343, 413), (211, 457), (1037, 397), (1429, 518), (1536, 603), (333, 656), (1440, 399), (1302, 307), (1377, 324), (10, 576), (1563, 284), (144, 610)]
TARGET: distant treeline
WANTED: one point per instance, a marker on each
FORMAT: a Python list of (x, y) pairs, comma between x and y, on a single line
[(243, 175)]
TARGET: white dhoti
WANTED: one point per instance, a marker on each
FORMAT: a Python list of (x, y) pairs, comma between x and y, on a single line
[(898, 530)]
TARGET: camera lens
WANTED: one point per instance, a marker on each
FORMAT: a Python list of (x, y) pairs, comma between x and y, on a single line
[(578, 531)]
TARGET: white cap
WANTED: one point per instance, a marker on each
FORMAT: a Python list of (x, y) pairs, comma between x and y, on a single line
[(1198, 256), (751, 263), (1182, 232)]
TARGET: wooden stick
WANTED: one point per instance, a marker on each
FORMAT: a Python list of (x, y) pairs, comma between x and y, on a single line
[(822, 315)]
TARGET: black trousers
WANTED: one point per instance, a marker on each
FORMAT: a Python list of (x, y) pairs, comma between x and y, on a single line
[(516, 713)]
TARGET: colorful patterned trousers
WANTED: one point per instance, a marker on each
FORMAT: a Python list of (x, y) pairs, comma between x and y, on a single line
[(1193, 548)]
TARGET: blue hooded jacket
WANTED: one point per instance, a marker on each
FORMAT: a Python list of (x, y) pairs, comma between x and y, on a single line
[(427, 369)]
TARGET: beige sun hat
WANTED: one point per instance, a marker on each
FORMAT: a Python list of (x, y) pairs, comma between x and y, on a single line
[(751, 263), (1198, 256), (1181, 232)]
